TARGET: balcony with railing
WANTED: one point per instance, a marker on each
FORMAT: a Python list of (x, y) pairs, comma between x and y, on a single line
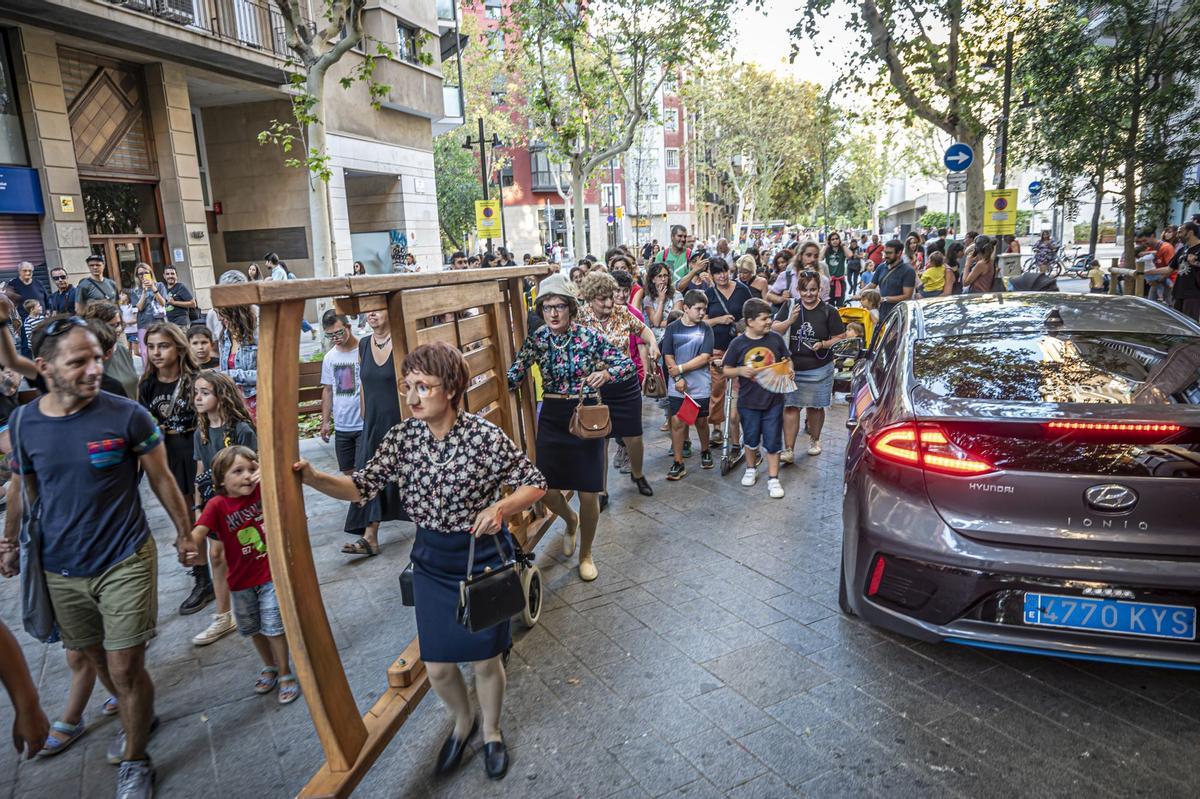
[(252, 23)]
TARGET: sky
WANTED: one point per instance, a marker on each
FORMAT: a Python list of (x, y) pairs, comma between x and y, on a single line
[(765, 39)]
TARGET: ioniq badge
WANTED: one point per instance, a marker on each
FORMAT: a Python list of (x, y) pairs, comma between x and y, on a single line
[(1110, 498)]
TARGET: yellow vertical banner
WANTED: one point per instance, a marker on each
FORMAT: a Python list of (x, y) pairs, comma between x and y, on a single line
[(487, 219), (1000, 212)]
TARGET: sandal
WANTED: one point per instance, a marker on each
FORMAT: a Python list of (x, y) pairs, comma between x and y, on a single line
[(268, 678), (72, 733), (289, 689), (110, 707), (360, 547)]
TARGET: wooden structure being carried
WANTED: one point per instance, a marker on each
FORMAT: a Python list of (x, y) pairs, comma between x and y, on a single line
[(480, 311)]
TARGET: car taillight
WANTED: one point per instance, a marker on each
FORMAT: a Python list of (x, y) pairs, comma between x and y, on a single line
[(926, 445), (1136, 430)]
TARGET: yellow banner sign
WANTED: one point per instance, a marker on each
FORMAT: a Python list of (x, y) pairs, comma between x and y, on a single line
[(1000, 212), (487, 219)]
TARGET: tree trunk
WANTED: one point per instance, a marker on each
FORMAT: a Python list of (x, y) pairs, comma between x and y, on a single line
[(737, 227), (1097, 207), (318, 190), (972, 214), (580, 238), (1130, 220)]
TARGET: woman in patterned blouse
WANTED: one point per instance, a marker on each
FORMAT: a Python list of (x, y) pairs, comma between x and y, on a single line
[(573, 360), (624, 398), (449, 465)]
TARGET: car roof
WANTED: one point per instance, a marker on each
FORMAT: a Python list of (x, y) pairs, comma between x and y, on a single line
[(1016, 312)]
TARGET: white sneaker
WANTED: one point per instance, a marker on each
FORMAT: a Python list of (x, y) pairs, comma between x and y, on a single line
[(774, 488), (222, 625), (787, 456), (815, 448), (750, 477), (587, 569)]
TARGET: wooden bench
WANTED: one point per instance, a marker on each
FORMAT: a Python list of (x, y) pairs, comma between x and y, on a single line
[(309, 400)]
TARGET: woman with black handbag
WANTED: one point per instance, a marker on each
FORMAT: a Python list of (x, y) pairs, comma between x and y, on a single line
[(574, 361), (450, 465)]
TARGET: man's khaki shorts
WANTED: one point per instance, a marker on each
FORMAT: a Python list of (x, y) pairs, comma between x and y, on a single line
[(118, 608)]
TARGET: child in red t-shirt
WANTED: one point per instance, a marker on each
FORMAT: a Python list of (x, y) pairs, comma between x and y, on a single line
[(235, 516)]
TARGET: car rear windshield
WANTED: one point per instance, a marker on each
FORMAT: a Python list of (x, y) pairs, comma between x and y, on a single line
[(1102, 368)]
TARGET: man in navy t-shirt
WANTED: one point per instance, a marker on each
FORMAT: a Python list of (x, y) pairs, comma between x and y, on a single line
[(79, 450)]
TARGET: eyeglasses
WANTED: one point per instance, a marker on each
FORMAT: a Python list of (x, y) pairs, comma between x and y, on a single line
[(423, 389), (60, 277), (337, 334), (556, 307)]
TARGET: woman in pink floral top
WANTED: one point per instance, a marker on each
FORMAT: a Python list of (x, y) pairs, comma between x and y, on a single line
[(623, 398)]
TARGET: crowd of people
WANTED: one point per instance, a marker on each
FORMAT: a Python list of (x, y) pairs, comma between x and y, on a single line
[(693, 329)]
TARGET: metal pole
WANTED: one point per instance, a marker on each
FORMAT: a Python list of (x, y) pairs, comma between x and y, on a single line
[(500, 195), (612, 202), (1008, 62), (483, 172), (954, 237)]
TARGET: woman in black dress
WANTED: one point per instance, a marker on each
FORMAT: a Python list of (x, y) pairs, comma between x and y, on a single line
[(574, 360), (381, 412), (451, 465)]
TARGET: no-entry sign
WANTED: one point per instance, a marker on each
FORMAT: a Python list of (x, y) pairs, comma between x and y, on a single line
[(1000, 212)]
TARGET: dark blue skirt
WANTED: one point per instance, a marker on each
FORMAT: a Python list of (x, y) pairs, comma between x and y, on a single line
[(439, 564)]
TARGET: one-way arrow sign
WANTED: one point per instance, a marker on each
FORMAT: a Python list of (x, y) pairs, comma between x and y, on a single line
[(958, 157)]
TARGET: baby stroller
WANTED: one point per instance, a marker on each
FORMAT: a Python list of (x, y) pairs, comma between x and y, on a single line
[(845, 352)]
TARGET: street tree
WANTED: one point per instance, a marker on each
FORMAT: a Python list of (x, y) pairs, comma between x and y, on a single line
[(1115, 103), (935, 61), (316, 47), (594, 73), (729, 98), (487, 87)]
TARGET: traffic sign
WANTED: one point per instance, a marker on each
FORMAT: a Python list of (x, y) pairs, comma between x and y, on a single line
[(958, 157), (956, 182), (1035, 188), (487, 219), (611, 219), (1000, 212)]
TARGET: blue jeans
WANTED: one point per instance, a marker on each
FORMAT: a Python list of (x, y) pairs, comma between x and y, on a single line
[(765, 426), (257, 611)]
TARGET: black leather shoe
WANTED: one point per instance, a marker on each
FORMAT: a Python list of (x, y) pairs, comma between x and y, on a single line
[(495, 760), (452, 751), (643, 486), (202, 594)]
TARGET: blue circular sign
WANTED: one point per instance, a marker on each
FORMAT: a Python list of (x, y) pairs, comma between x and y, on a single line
[(1035, 188), (958, 157)]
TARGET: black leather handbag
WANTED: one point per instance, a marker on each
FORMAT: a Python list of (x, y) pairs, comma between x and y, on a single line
[(406, 587), (492, 597)]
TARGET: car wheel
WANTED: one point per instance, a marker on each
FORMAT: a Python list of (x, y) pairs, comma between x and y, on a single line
[(843, 600), (531, 584)]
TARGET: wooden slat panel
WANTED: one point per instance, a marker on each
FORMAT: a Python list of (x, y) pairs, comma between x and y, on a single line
[(352, 306), (495, 416), (481, 360), (313, 649), (481, 394), (473, 328), (447, 333), (424, 303)]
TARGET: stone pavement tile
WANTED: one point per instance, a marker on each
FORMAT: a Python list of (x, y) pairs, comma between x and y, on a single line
[(1027, 770), (800, 608), (707, 614), (964, 660), (699, 645), (595, 648), (671, 591), (852, 752), (700, 789), (906, 663), (645, 645), (731, 712), (740, 635), (750, 610), (849, 664), (590, 770), (240, 730), (797, 637), (903, 782), (654, 764), (767, 673), (742, 578), (768, 786), (908, 699), (577, 591), (626, 598), (658, 616), (565, 622), (845, 630), (786, 755), (185, 760), (610, 619), (671, 717), (724, 761), (838, 784), (55, 784)]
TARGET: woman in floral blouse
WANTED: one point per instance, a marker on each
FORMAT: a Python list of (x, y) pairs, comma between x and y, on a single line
[(449, 465), (573, 360), (624, 398)]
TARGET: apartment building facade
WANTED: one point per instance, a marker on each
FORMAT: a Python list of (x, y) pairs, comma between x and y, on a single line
[(128, 128)]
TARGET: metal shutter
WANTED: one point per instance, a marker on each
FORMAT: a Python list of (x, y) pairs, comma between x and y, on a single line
[(20, 240)]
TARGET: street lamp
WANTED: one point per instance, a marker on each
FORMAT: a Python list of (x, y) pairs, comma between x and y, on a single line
[(482, 143)]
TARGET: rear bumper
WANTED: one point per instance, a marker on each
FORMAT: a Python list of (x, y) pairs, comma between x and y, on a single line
[(951, 588)]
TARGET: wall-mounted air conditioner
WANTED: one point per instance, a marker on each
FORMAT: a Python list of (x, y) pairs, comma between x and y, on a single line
[(181, 11), (141, 5)]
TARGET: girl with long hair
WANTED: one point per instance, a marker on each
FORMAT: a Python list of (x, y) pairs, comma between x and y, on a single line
[(238, 346), (833, 263), (166, 391), (253, 272), (221, 421)]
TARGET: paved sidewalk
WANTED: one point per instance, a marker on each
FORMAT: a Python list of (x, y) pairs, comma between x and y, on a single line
[(707, 660)]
